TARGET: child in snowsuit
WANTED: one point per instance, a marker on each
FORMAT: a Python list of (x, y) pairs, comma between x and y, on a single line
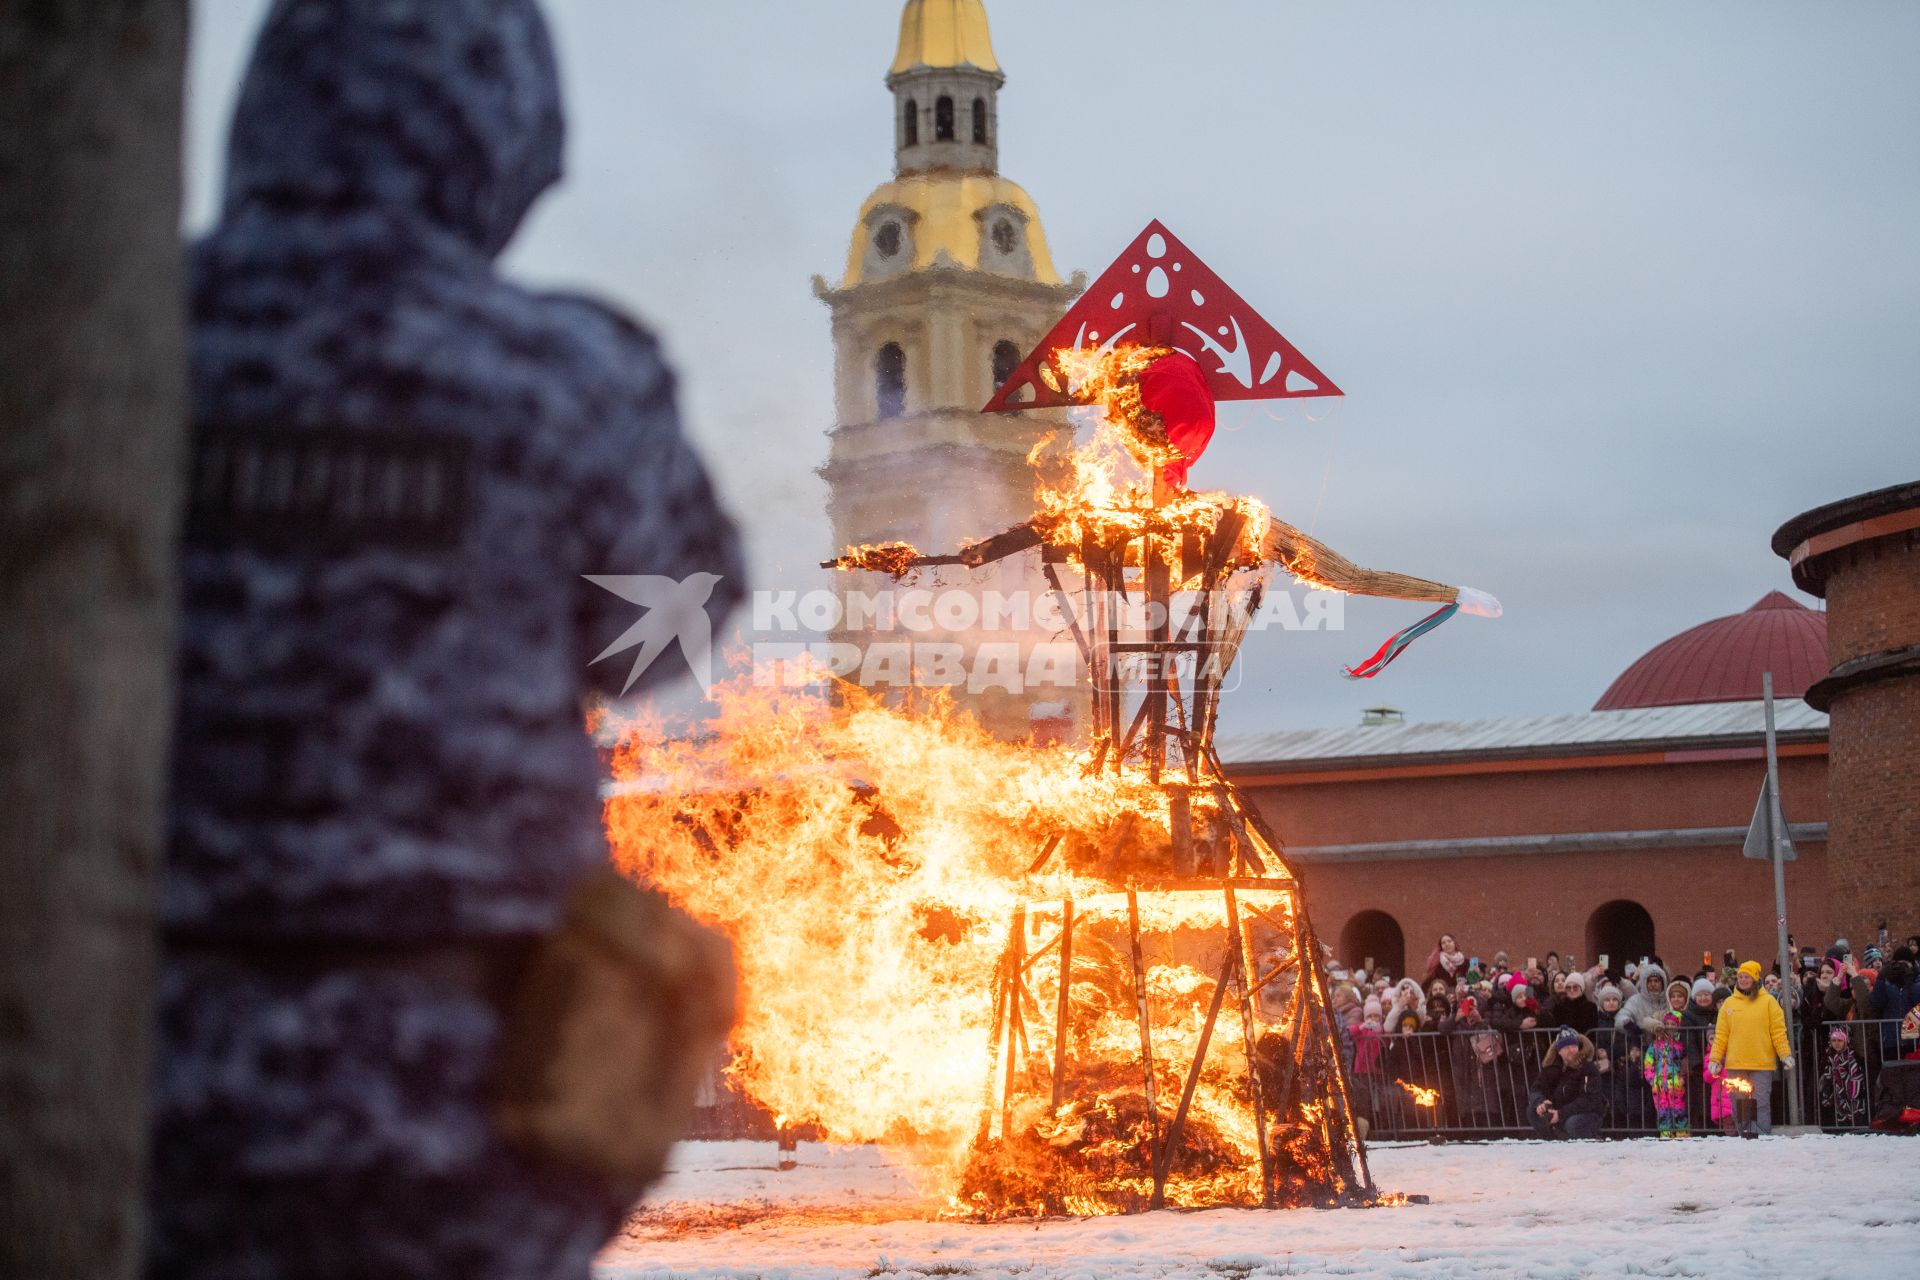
[(1665, 1066), (1719, 1101), (1843, 1086)]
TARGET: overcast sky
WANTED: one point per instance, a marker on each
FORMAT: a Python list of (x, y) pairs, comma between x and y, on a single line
[(1613, 289)]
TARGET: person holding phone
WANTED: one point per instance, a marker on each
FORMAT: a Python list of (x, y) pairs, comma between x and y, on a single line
[(1446, 960)]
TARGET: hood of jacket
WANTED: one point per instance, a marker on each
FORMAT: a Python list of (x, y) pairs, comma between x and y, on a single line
[(438, 115), (1581, 1059)]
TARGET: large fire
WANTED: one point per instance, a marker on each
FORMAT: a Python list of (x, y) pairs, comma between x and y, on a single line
[(865, 861), (1076, 979)]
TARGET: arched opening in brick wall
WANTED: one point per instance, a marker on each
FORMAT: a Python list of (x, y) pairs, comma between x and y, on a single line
[(1622, 931), (1373, 939)]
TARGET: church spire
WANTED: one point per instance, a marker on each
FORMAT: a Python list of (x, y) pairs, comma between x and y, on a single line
[(943, 34), (945, 81)]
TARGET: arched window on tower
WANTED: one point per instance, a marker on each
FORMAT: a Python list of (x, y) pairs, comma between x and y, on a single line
[(980, 121), (1006, 358), (910, 123), (943, 119), (890, 380)]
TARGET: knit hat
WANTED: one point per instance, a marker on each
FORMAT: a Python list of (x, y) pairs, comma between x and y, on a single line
[(1872, 956), (1607, 991), (1372, 1008), (1576, 979), (1566, 1036), (1702, 984), (1752, 969), (1837, 1031)]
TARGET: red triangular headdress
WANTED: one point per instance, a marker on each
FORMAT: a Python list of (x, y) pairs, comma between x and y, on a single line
[(1158, 293)]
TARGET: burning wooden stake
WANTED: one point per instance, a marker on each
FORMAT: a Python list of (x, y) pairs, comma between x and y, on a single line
[(1146, 1020), (1164, 1164), (1066, 997)]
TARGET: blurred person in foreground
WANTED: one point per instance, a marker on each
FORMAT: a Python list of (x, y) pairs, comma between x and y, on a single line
[(411, 1025), (1750, 1041)]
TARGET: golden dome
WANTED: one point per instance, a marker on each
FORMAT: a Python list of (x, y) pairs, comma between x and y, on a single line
[(946, 206), (944, 33)]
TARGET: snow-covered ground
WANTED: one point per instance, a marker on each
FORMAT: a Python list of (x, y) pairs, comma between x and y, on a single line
[(1807, 1207)]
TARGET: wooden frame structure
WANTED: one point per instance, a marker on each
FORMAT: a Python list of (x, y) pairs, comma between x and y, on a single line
[(1154, 706)]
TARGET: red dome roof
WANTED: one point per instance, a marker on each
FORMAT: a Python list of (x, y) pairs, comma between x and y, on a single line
[(1722, 660)]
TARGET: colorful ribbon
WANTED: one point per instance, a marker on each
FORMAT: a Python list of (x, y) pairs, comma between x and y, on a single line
[(1398, 641)]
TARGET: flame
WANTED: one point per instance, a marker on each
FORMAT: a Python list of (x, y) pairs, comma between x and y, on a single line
[(1422, 1096), (1102, 490), (891, 558), (1737, 1084), (865, 862)]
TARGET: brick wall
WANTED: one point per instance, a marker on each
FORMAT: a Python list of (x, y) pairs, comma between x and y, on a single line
[(1873, 598), (1699, 899), (1873, 604)]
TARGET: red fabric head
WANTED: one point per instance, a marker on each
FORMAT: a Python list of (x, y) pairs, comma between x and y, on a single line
[(1175, 388)]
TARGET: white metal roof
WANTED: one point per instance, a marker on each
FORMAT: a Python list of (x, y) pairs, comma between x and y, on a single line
[(1669, 727)]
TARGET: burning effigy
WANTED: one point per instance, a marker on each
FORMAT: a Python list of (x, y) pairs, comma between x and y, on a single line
[(1080, 979)]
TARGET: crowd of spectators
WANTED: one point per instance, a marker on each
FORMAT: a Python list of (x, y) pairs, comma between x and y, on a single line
[(1567, 1050)]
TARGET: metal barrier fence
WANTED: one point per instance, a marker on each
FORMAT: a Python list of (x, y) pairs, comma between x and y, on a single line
[(1426, 1084), (1474, 1095)]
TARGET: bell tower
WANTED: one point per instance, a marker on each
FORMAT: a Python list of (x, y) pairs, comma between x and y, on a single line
[(948, 283), (945, 82)]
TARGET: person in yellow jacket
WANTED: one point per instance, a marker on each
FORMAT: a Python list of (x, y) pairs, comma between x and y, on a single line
[(1750, 1040)]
